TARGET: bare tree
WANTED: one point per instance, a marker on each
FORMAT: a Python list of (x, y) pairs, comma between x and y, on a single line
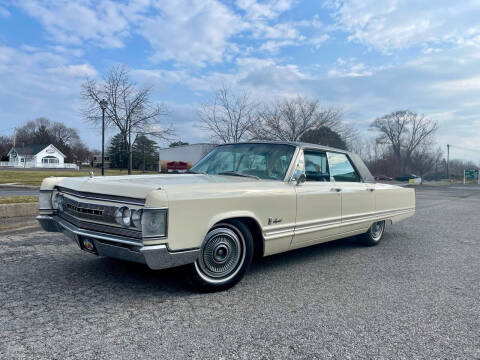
[(6, 143), (404, 131), (128, 108), (290, 119), (424, 159), (229, 116), (42, 131)]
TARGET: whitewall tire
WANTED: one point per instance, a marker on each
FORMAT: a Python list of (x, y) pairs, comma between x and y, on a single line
[(225, 256)]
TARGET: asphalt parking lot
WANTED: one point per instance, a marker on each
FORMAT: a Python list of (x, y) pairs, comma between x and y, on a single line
[(415, 296)]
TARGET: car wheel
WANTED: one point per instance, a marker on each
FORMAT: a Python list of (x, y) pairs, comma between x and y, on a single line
[(374, 234), (225, 256)]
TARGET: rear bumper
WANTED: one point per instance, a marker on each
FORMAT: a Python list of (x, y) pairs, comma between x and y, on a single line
[(155, 256)]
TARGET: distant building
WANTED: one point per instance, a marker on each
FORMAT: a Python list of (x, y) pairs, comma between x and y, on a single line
[(36, 156), (183, 157), (97, 161)]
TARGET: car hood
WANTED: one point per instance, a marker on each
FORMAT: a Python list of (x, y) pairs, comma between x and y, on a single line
[(139, 186)]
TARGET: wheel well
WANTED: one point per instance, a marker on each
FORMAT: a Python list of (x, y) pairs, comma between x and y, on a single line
[(256, 231)]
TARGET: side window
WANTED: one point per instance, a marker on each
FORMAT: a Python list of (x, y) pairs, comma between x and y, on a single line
[(316, 167), (341, 168)]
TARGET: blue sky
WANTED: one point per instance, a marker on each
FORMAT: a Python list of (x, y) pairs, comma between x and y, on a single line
[(367, 57)]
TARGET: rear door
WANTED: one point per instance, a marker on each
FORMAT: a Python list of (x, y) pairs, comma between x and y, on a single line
[(358, 198), (318, 201)]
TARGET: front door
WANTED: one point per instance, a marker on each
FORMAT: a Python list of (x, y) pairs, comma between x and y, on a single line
[(358, 198), (318, 201)]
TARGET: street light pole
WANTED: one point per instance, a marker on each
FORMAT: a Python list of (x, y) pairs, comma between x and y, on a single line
[(103, 105), (448, 160)]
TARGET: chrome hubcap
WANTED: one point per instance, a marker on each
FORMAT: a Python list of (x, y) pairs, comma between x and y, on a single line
[(222, 255), (376, 230)]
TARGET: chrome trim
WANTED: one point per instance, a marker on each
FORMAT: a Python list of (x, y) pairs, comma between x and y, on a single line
[(102, 197), (102, 227), (155, 256), (293, 165), (329, 223)]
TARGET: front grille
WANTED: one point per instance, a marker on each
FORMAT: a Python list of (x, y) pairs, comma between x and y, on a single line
[(87, 216), (88, 211), (82, 210), (133, 234)]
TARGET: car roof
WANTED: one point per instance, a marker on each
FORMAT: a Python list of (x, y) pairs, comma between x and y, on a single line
[(358, 163), (292, 143)]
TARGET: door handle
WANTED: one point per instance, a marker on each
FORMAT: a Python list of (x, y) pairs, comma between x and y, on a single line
[(336, 189), (371, 189)]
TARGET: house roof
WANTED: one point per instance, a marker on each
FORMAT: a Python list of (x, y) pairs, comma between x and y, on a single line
[(29, 149), (32, 149)]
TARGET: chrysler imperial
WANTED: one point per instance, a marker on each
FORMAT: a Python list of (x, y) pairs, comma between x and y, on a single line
[(239, 201)]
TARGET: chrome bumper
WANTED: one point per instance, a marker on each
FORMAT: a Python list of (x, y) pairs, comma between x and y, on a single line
[(155, 256)]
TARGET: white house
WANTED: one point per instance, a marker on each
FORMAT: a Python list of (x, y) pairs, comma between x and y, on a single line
[(37, 156)]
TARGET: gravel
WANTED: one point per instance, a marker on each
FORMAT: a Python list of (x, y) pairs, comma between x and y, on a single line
[(414, 296)]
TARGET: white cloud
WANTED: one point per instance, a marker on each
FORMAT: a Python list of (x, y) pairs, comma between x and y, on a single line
[(104, 23), (4, 12), (391, 24), (266, 10), (185, 32), (349, 68), (82, 70), (40, 83), (190, 31), (459, 85)]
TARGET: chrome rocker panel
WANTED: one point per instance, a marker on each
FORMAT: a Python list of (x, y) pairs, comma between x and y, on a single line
[(156, 257)]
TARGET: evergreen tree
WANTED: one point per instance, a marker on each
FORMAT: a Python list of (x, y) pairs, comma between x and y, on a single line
[(324, 136), (145, 154), (117, 151)]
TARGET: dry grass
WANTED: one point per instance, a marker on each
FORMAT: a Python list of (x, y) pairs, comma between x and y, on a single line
[(18, 199), (34, 177)]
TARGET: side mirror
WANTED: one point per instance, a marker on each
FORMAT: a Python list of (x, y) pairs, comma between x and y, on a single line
[(301, 179)]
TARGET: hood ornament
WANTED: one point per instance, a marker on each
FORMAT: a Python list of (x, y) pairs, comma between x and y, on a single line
[(91, 174)]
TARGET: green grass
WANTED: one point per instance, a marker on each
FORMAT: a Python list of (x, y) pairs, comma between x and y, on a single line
[(34, 177), (18, 199)]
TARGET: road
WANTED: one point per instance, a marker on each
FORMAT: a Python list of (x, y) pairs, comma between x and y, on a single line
[(414, 296), (16, 191)]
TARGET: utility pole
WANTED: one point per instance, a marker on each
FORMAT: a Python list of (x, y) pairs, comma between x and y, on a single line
[(448, 159), (103, 105)]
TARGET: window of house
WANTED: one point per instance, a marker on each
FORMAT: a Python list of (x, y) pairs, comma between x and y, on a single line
[(341, 169)]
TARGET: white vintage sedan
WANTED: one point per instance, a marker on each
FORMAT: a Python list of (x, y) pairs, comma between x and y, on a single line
[(240, 201)]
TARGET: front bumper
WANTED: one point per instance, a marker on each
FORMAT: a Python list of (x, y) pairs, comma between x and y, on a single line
[(119, 247)]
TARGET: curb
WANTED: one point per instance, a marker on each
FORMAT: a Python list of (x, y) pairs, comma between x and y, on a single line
[(10, 211)]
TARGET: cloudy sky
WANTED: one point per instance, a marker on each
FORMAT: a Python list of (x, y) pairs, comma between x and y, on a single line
[(369, 57)]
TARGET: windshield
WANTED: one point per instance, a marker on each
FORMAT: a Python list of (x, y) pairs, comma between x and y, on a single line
[(265, 161)]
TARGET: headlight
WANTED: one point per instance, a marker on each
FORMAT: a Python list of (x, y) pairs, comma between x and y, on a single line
[(137, 218), (45, 200), (59, 202), (123, 215), (154, 222)]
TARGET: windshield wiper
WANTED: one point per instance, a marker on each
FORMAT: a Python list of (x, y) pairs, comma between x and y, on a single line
[(193, 172), (234, 173)]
